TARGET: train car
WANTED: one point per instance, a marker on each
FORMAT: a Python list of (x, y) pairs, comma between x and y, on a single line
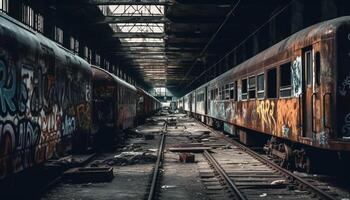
[(146, 105), (297, 92), (114, 106), (45, 98), (180, 104), (200, 104), (187, 103)]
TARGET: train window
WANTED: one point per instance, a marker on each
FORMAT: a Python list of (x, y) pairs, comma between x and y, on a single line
[(308, 64), (39, 22), (232, 91), (236, 91), (222, 92), (227, 92), (28, 15), (272, 83), (260, 86), (58, 35), (252, 87), (244, 89), (285, 80), (4, 6), (318, 68), (74, 44)]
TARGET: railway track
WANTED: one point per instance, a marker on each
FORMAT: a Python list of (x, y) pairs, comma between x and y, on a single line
[(158, 166), (245, 174)]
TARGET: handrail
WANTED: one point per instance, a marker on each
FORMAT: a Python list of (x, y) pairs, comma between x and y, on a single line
[(325, 125), (312, 112)]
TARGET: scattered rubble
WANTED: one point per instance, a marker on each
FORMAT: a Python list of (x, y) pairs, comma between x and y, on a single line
[(130, 158)]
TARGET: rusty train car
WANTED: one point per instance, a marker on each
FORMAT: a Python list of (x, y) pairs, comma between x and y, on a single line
[(52, 101), (114, 106), (297, 92), (146, 105)]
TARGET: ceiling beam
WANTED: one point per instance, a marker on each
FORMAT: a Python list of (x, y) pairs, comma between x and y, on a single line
[(132, 19), (138, 35), (142, 44), (125, 2)]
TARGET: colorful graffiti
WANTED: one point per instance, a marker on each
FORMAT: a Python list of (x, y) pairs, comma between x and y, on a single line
[(36, 113), (296, 76), (287, 117), (265, 111)]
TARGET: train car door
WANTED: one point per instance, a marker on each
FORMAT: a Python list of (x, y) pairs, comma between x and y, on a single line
[(310, 102)]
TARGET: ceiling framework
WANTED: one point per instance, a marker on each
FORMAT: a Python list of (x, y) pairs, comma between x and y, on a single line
[(171, 42)]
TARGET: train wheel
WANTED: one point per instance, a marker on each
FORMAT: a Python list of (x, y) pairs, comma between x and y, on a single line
[(303, 161), (287, 161)]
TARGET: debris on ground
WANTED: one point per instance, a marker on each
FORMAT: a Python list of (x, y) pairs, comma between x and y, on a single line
[(263, 195), (168, 186), (130, 158), (278, 182)]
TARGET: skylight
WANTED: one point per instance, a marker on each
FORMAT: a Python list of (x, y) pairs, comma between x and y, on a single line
[(138, 27), (157, 40), (136, 10)]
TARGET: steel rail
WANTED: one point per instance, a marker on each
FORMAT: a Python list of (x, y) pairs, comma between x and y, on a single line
[(154, 182), (322, 194), (222, 172)]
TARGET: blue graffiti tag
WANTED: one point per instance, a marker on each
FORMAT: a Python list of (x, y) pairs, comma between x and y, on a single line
[(7, 89)]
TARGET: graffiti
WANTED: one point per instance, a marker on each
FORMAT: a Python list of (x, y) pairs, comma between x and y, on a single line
[(346, 127), (345, 86), (285, 130), (37, 111), (68, 126), (84, 116), (296, 76), (28, 134), (265, 110), (7, 90), (287, 115), (87, 92), (323, 140)]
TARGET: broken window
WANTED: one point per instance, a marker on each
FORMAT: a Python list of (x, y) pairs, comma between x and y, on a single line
[(252, 87), (260, 86), (271, 83), (244, 89), (285, 80)]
